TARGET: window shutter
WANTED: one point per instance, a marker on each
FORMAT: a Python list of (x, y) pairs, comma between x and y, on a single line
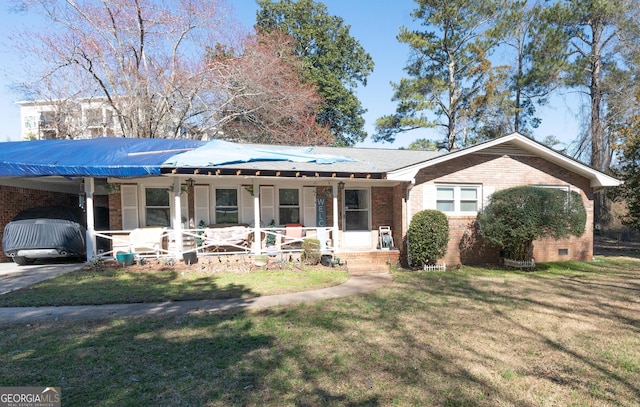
[(267, 205), (309, 206), (201, 204), (129, 197), (429, 193), (246, 207), (486, 193), (184, 208)]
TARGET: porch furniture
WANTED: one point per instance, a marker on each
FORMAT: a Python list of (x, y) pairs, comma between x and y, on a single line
[(293, 235), (146, 240), (226, 235)]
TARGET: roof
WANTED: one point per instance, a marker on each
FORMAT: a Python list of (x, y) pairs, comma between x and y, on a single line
[(134, 157), (353, 162), (515, 144), (99, 157)]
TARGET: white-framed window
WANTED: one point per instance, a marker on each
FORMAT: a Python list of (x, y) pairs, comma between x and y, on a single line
[(465, 199), (356, 209), (289, 205), (157, 206), (226, 205)]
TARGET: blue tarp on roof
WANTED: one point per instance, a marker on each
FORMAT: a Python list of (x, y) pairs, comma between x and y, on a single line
[(134, 157), (219, 152), (100, 157)]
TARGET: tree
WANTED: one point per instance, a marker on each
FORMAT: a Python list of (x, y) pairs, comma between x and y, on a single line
[(629, 169), (515, 217), (600, 40), (534, 73), (427, 237), (334, 61), (151, 63), (601, 56), (268, 100), (423, 144), (447, 67)]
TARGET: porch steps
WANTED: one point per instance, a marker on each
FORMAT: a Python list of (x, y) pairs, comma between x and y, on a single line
[(369, 262)]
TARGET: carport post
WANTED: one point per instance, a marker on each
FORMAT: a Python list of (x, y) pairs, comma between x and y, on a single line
[(89, 188), (177, 217)]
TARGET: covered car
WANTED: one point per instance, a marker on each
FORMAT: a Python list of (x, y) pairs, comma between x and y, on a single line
[(45, 233)]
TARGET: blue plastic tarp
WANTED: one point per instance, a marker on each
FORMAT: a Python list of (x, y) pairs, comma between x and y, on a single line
[(135, 157), (219, 152), (100, 157)]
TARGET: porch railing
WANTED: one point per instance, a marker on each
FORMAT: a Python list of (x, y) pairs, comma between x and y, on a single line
[(163, 242)]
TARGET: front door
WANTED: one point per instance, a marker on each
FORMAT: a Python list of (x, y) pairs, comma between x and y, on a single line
[(356, 221)]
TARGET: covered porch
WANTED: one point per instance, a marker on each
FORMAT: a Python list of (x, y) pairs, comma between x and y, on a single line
[(177, 217)]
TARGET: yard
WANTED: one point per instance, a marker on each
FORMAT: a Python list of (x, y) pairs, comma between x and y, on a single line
[(565, 334)]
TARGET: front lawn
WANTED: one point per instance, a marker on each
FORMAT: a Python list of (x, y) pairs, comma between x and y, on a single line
[(152, 283), (565, 335)]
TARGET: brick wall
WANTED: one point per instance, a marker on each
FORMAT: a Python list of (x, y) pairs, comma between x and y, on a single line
[(115, 211), (15, 199), (496, 172)]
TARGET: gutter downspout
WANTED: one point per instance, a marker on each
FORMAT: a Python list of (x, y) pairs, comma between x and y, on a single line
[(407, 195)]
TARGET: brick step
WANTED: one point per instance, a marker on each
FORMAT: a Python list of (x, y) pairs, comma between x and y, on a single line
[(369, 262), (362, 269)]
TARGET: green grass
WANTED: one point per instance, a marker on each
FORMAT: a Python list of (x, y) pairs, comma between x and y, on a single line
[(567, 334), (127, 285)]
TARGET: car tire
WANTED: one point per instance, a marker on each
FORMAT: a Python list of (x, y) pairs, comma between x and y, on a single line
[(21, 260)]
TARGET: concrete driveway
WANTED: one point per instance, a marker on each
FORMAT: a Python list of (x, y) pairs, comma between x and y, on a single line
[(14, 277)]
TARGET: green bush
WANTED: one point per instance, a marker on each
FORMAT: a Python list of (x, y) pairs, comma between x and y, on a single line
[(515, 217), (427, 238), (311, 251)]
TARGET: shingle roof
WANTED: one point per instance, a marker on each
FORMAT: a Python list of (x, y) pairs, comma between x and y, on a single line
[(376, 161)]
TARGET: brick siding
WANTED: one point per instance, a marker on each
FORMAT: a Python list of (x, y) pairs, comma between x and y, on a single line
[(498, 172)]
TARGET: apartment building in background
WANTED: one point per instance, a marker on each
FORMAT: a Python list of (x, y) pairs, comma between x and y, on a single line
[(66, 119)]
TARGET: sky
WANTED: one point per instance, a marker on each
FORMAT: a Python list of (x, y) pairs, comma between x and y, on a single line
[(374, 23)]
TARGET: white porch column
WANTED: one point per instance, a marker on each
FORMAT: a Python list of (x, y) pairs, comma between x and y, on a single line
[(89, 189), (177, 219), (336, 231), (257, 244)]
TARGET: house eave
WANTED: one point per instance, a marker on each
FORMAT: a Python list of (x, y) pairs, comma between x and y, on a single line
[(597, 179), (270, 173)]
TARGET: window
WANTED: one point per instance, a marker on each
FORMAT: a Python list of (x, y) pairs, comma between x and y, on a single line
[(458, 198), (289, 205), (93, 117), (31, 123), (226, 206), (356, 209), (157, 207)]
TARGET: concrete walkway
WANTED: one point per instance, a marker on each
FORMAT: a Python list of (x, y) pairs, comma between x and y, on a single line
[(355, 285), (14, 277)]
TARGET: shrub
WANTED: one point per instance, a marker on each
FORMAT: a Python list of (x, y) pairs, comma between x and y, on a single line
[(311, 251), (427, 237), (515, 217)]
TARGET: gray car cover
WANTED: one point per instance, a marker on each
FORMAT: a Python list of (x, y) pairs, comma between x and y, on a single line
[(46, 228)]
